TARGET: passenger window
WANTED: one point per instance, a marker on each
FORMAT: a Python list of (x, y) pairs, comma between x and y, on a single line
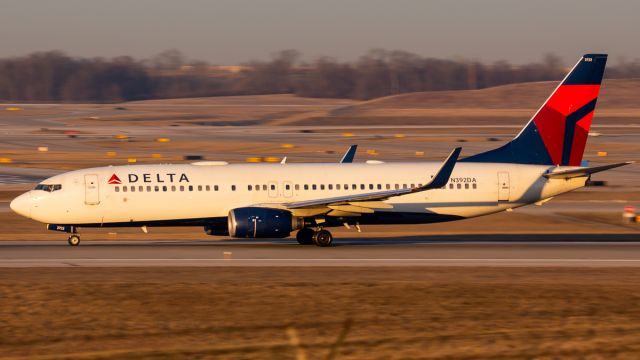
[(379, 186), (404, 186), (257, 187), (149, 188), (117, 188), (370, 186), (466, 186), (190, 187), (450, 186), (199, 187), (287, 187), (475, 186), (354, 186), (321, 186), (233, 188), (330, 186), (215, 187), (397, 186), (164, 188), (173, 188), (297, 187), (157, 188), (361, 186), (413, 185), (388, 186), (181, 188), (264, 187), (346, 186), (249, 187), (140, 188), (124, 189), (459, 186), (273, 186), (208, 188), (313, 187), (133, 189), (337, 186)]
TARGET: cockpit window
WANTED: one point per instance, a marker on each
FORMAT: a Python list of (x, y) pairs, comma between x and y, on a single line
[(48, 187)]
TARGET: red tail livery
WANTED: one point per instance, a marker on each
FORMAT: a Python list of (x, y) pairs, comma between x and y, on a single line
[(557, 133)]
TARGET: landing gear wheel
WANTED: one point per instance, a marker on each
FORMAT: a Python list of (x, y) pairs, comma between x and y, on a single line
[(305, 236), (74, 240), (322, 238)]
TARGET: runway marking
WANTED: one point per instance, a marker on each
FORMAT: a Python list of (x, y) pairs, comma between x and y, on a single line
[(323, 259)]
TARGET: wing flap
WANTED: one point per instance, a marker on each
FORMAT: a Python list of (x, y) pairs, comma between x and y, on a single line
[(371, 204), (352, 209), (338, 213)]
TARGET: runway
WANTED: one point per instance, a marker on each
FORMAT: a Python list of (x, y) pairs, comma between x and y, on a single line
[(599, 251)]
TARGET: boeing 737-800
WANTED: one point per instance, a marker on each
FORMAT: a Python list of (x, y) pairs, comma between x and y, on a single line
[(273, 200)]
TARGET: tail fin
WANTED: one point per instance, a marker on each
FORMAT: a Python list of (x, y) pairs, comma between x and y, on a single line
[(557, 133)]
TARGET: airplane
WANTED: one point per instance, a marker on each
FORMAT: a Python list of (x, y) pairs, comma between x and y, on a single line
[(273, 200)]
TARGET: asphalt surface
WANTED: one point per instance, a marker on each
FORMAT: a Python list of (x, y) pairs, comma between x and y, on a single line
[(591, 250)]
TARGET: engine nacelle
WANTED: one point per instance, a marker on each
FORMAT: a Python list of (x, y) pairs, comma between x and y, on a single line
[(257, 222), (216, 229)]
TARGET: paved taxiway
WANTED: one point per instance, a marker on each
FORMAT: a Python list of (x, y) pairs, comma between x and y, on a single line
[(606, 250)]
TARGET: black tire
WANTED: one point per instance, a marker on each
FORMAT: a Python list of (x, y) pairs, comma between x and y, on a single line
[(74, 240), (322, 238), (304, 236)]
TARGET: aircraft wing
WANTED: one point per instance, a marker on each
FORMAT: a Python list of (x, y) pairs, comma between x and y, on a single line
[(580, 172), (352, 203)]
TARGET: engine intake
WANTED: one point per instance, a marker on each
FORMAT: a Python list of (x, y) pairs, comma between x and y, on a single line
[(256, 222)]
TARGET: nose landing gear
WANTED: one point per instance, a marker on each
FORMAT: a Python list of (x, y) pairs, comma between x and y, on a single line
[(74, 240)]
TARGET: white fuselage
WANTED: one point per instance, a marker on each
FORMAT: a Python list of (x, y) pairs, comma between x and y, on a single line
[(156, 193)]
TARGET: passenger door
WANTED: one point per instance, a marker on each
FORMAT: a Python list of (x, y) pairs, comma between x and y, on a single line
[(503, 186), (91, 190)]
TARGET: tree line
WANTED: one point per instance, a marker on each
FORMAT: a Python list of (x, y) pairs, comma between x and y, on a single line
[(55, 76)]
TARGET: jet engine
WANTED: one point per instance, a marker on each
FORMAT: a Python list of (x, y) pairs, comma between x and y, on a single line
[(257, 222), (216, 229)]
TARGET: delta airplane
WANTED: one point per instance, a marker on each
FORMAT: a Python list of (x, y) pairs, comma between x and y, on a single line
[(273, 200)]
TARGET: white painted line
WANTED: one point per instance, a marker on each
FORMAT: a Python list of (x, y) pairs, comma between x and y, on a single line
[(317, 260)]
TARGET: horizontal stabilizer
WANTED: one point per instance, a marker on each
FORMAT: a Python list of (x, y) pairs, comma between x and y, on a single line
[(580, 172)]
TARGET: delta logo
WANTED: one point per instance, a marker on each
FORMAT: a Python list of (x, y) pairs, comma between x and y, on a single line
[(114, 179)]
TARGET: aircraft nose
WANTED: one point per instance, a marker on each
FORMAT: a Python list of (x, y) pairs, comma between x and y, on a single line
[(22, 205)]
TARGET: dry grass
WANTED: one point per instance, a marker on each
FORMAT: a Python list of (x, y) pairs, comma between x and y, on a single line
[(248, 313), (615, 94)]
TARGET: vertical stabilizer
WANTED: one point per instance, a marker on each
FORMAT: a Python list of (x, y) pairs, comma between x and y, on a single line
[(557, 133)]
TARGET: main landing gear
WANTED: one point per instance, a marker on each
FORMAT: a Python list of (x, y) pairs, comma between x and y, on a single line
[(321, 237), (74, 240)]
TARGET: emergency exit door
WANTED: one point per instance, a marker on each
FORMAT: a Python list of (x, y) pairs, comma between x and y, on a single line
[(91, 190), (503, 186)]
